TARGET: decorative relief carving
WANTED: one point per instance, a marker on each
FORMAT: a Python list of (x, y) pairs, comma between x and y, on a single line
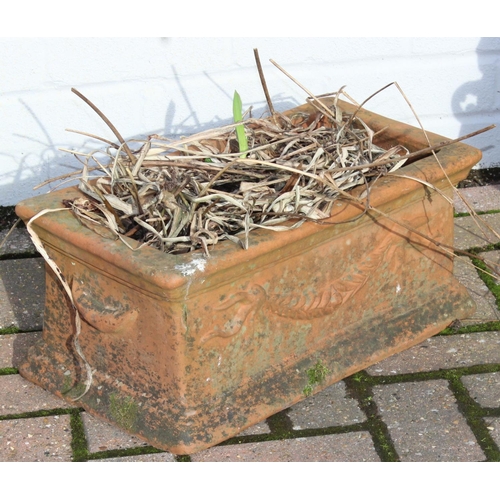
[(330, 294), (98, 307)]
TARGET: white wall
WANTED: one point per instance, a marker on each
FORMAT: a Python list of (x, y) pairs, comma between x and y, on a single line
[(178, 85)]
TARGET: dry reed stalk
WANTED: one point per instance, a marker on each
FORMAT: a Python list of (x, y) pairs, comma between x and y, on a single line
[(78, 322)]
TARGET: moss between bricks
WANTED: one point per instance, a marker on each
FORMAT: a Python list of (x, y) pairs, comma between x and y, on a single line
[(359, 387), (9, 330), (491, 326), (79, 445), (9, 371), (467, 214), (14, 329), (19, 256), (38, 413)]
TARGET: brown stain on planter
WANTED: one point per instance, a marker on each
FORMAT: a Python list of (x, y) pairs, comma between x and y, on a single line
[(188, 351)]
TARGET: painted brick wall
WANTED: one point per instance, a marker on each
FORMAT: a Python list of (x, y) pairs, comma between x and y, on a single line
[(175, 86)]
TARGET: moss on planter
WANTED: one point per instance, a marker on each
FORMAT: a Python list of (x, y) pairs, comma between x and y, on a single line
[(123, 410), (315, 375)]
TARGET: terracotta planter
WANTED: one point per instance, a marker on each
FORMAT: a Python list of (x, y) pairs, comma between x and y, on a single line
[(187, 351)]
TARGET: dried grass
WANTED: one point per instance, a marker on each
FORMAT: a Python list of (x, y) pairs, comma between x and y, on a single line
[(182, 195)]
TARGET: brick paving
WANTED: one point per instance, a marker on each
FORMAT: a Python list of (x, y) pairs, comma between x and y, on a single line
[(436, 402)]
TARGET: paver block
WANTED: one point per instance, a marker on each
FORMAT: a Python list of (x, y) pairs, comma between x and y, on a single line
[(484, 388), (330, 407), (451, 351), (102, 436), (493, 426), (424, 423), (480, 198), (22, 293), (41, 439), (486, 308), (17, 395), (13, 347), (351, 447), (468, 234), (17, 243)]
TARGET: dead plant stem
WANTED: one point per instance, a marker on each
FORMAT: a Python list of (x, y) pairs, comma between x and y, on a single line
[(326, 109), (263, 82), (108, 123)]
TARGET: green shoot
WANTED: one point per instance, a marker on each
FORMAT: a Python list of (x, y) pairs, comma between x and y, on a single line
[(240, 129)]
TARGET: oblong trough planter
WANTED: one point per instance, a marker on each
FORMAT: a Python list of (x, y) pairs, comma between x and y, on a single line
[(188, 350)]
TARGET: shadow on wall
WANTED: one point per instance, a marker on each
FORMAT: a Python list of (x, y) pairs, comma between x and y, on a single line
[(475, 104), (40, 159)]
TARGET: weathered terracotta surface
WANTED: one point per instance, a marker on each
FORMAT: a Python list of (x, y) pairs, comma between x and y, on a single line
[(187, 351)]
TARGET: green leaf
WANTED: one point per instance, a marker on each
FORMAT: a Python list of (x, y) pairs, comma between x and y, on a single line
[(240, 129)]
